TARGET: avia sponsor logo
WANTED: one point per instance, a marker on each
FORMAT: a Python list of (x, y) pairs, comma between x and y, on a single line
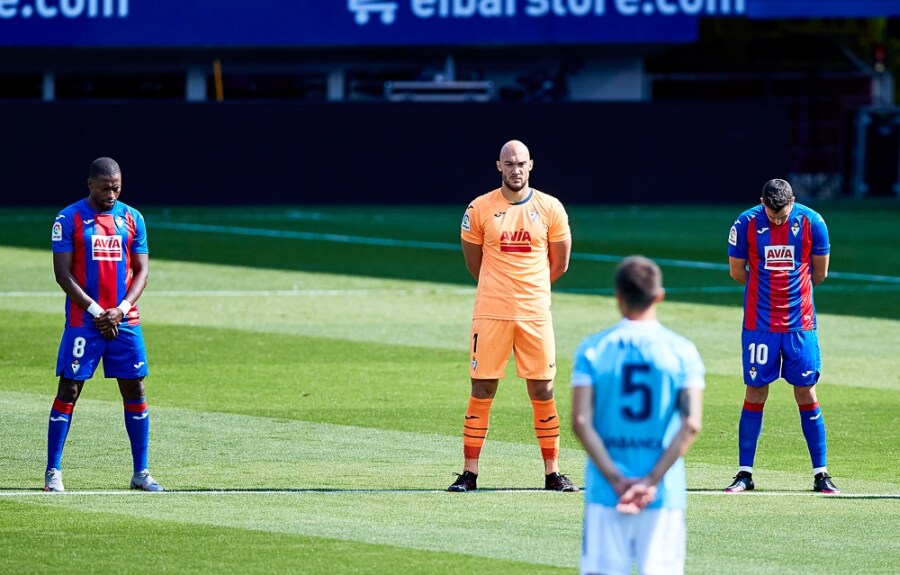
[(106, 248), (517, 241), (780, 258)]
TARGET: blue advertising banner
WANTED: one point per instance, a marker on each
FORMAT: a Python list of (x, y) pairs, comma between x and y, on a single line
[(271, 23), (309, 23), (822, 8)]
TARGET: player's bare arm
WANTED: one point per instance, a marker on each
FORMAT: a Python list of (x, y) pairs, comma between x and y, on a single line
[(643, 491), (140, 265), (690, 404), (819, 269), (559, 254), (583, 426), (62, 269), (737, 267), (473, 255)]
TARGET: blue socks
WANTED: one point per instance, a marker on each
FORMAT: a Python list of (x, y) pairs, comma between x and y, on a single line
[(748, 432), (57, 431), (137, 424), (813, 425)]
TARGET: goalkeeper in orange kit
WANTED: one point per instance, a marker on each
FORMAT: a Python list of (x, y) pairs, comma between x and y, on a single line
[(516, 242)]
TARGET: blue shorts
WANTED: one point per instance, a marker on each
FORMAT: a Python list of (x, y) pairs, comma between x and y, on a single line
[(81, 348), (793, 355)]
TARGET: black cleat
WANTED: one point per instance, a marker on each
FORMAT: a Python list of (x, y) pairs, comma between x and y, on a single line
[(743, 481), (464, 483), (823, 484), (558, 482)]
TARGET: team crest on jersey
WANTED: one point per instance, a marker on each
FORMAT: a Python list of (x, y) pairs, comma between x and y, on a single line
[(120, 221), (75, 366), (795, 229), (533, 215), (753, 373), (517, 241), (466, 224), (56, 234), (106, 248), (732, 236), (474, 364), (779, 258)]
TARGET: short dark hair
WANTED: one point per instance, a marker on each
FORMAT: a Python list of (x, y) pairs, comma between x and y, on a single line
[(638, 282), (776, 194), (104, 168)]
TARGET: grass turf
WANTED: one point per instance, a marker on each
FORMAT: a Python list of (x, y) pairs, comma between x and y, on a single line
[(309, 421)]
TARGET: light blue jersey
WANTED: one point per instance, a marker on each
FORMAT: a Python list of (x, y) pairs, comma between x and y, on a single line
[(637, 369)]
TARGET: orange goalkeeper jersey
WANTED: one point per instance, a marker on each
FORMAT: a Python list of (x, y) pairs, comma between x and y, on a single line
[(514, 281)]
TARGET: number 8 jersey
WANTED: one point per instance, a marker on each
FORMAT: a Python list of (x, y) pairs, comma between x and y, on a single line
[(101, 244)]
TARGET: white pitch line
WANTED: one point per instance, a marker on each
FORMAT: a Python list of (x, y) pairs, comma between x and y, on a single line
[(266, 293), (326, 491)]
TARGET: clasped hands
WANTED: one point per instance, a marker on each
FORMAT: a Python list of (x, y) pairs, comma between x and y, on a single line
[(635, 493), (108, 322)]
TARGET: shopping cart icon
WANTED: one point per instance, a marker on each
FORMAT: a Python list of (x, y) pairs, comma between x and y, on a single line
[(364, 8)]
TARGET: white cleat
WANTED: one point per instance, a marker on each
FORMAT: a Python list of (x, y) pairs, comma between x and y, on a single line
[(144, 481), (53, 480)]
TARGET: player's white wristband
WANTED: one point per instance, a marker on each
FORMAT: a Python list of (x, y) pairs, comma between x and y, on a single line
[(125, 306), (94, 309)]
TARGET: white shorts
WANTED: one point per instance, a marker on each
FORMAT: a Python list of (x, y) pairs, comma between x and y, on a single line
[(654, 539)]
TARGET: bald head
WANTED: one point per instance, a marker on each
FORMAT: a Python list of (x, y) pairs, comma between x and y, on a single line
[(514, 148), (514, 166)]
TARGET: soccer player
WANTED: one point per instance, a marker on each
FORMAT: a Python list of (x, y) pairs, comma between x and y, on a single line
[(516, 242), (779, 250), (637, 408), (101, 262)]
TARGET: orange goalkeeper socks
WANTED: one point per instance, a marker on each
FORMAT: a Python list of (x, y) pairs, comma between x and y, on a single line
[(546, 427), (475, 429)]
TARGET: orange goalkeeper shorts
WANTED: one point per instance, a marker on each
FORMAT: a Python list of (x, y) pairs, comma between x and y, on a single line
[(530, 341)]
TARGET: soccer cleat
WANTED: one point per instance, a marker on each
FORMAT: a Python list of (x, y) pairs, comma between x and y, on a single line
[(464, 483), (53, 480), (743, 481), (823, 484), (558, 482), (144, 481)]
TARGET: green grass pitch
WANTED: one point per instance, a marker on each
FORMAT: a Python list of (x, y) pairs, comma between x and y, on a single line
[(309, 376)]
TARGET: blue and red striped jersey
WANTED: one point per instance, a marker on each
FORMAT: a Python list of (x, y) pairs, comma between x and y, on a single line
[(102, 244), (779, 292)]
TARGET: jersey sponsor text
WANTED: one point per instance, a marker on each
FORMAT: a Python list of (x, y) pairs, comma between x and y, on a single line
[(780, 257), (106, 248), (517, 241)]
